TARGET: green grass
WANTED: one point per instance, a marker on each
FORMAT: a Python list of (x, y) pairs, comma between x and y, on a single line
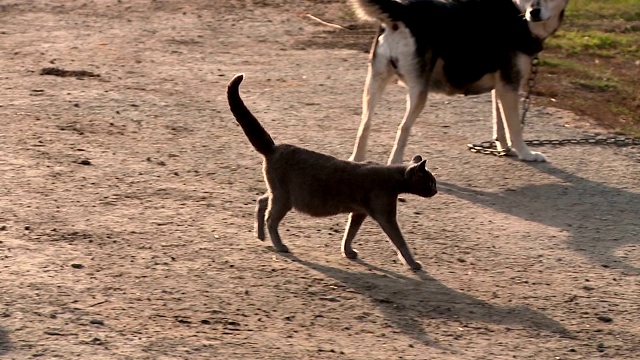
[(597, 42), (595, 85), (604, 28), (627, 10), (595, 59), (558, 63)]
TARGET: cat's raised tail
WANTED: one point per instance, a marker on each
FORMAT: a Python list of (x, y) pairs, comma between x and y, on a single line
[(257, 135)]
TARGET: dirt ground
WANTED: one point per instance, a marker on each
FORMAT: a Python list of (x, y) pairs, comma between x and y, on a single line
[(127, 202)]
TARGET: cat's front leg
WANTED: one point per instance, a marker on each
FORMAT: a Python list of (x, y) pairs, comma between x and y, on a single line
[(391, 228)]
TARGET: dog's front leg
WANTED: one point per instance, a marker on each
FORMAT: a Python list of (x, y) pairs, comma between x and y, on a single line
[(499, 134), (416, 99), (378, 75), (509, 109)]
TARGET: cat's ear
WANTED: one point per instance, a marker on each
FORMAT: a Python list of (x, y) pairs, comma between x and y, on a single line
[(417, 168), (422, 167), (416, 159)]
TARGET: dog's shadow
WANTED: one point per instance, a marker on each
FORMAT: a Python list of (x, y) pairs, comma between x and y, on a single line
[(408, 301), (599, 218)]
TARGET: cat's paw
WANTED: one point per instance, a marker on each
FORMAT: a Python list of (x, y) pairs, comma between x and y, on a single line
[(281, 248), (416, 266), (350, 254)]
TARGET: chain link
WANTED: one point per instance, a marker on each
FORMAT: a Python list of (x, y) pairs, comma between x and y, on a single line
[(531, 82), (490, 148)]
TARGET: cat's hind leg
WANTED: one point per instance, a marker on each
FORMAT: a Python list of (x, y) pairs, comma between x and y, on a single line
[(278, 207), (353, 225), (261, 210)]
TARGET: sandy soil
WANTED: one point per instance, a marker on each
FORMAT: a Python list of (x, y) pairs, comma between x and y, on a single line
[(127, 202)]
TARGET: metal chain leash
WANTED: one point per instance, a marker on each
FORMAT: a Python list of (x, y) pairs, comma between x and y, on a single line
[(489, 147), (531, 82)]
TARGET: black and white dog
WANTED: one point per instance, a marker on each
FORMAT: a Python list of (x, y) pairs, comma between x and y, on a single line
[(455, 47)]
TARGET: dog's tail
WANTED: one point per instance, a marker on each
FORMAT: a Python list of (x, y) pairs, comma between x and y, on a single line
[(257, 135), (383, 10)]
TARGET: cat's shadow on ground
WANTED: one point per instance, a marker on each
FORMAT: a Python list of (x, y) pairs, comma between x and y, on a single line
[(5, 343), (408, 300), (598, 218)]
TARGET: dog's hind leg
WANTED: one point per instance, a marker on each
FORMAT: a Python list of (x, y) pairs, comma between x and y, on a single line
[(353, 225), (416, 99), (509, 107), (379, 73)]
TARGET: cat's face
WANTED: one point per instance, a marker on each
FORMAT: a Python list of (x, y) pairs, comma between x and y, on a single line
[(421, 180)]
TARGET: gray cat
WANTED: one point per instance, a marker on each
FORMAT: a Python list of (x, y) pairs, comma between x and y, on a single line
[(321, 185)]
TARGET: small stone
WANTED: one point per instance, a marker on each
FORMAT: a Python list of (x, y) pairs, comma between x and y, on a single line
[(96, 322), (96, 341), (4, 228), (605, 318), (27, 227), (84, 162), (330, 299), (77, 266)]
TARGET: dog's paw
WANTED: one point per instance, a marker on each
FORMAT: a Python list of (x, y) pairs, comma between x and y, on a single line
[(350, 254), (533, 156), (260, 235)]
